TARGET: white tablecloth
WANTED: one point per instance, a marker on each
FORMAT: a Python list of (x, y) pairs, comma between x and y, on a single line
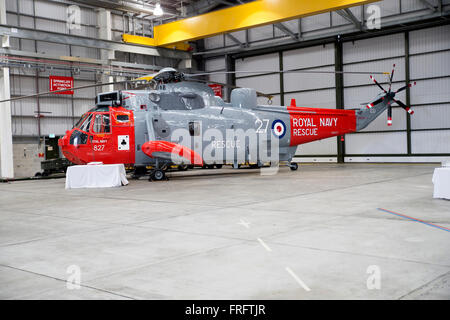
[(96, 176), (441, 181)]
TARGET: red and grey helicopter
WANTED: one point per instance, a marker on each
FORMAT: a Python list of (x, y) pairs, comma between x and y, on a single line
[(177, 121)]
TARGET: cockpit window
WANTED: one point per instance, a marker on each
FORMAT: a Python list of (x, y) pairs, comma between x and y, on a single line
[(86, 123), (83, 117), (78, 137)]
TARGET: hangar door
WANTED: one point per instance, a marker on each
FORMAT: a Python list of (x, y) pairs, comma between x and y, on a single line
[(312, 90), (308, 89), (422, 56)]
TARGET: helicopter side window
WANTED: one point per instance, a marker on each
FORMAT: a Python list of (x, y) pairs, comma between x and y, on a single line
[(194, 128), (192, 101), (101, 123), (106, 123), (123, 118), (97, 127), (171, 102)]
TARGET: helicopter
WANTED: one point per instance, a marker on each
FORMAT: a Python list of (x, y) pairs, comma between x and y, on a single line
[(176, 121)]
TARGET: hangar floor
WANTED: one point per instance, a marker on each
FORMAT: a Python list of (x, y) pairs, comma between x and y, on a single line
[(316, 233)]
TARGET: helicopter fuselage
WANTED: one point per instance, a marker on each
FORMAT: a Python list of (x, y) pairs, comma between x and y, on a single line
[(184, 123)]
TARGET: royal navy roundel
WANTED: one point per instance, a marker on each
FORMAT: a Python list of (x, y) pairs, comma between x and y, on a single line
[(278, 128)]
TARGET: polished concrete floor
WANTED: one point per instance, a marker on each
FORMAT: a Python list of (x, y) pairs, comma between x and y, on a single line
[(317, 233)]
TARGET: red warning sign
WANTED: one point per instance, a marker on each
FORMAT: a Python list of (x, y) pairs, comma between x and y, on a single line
[(60, 83), (217, 88)]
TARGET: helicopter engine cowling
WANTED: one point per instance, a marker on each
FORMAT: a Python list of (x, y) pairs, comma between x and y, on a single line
[(244, 98)]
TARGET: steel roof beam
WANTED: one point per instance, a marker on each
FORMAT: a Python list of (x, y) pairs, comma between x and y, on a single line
[(244, 16), (429, 5), (125, 6), (350, 17), (286, 30), (32, 34)]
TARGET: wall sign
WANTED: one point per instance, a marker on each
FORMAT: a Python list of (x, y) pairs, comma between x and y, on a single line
[(217, 88), (59, 83)]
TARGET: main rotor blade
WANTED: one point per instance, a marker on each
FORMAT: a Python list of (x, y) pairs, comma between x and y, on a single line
[(68, 89), (280, 71), (258, 93), (391, 77), (409, 85), (376, 82), (371, 105), (404, 106), (389, 117)]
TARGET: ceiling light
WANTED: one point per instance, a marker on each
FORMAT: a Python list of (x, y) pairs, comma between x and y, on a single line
[(158, 11)]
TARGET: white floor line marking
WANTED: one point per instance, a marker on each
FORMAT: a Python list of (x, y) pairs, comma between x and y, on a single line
[(244, 223), (264, 245), (300, 282)]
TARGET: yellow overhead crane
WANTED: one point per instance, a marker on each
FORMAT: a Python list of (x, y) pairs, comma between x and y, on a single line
[(175, 34)]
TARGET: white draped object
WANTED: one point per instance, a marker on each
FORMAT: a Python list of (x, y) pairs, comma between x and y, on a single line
[(96, 176), (441, 181)]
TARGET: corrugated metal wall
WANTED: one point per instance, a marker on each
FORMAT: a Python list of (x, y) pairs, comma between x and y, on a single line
[(426, 133), (312, 90), (59, 112), (375, 54), (430, 67)]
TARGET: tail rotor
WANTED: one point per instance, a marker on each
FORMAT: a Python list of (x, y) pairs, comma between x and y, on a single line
[(391, 95)]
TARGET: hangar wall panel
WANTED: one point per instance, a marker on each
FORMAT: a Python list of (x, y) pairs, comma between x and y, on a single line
[(267, 83), (382, 53), (308, 57), (269, 62), (316, 99), (261, 33), (376, 143), (214, 42), (374, 48), (309, 81), (430, 39), (321, 147), (432, 116), (430, 65), (429, 142), (431, 91)]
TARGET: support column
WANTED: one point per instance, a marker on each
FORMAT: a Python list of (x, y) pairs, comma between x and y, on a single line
[(105, 33), (339, 80), (6, 147), (408, 94), (231, 77)]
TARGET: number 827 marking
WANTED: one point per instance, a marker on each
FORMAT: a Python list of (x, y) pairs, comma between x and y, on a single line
[(99, 147)]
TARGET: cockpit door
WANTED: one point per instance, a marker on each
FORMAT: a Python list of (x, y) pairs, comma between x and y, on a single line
[(100, 137)]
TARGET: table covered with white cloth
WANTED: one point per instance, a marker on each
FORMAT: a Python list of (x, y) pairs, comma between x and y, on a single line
[(96, 176), (441, 181)]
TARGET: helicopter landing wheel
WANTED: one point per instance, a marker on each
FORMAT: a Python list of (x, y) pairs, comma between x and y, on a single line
[(293, 166), (158, 175)]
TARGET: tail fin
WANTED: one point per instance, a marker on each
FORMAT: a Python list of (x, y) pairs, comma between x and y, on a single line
[(371, 111)]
